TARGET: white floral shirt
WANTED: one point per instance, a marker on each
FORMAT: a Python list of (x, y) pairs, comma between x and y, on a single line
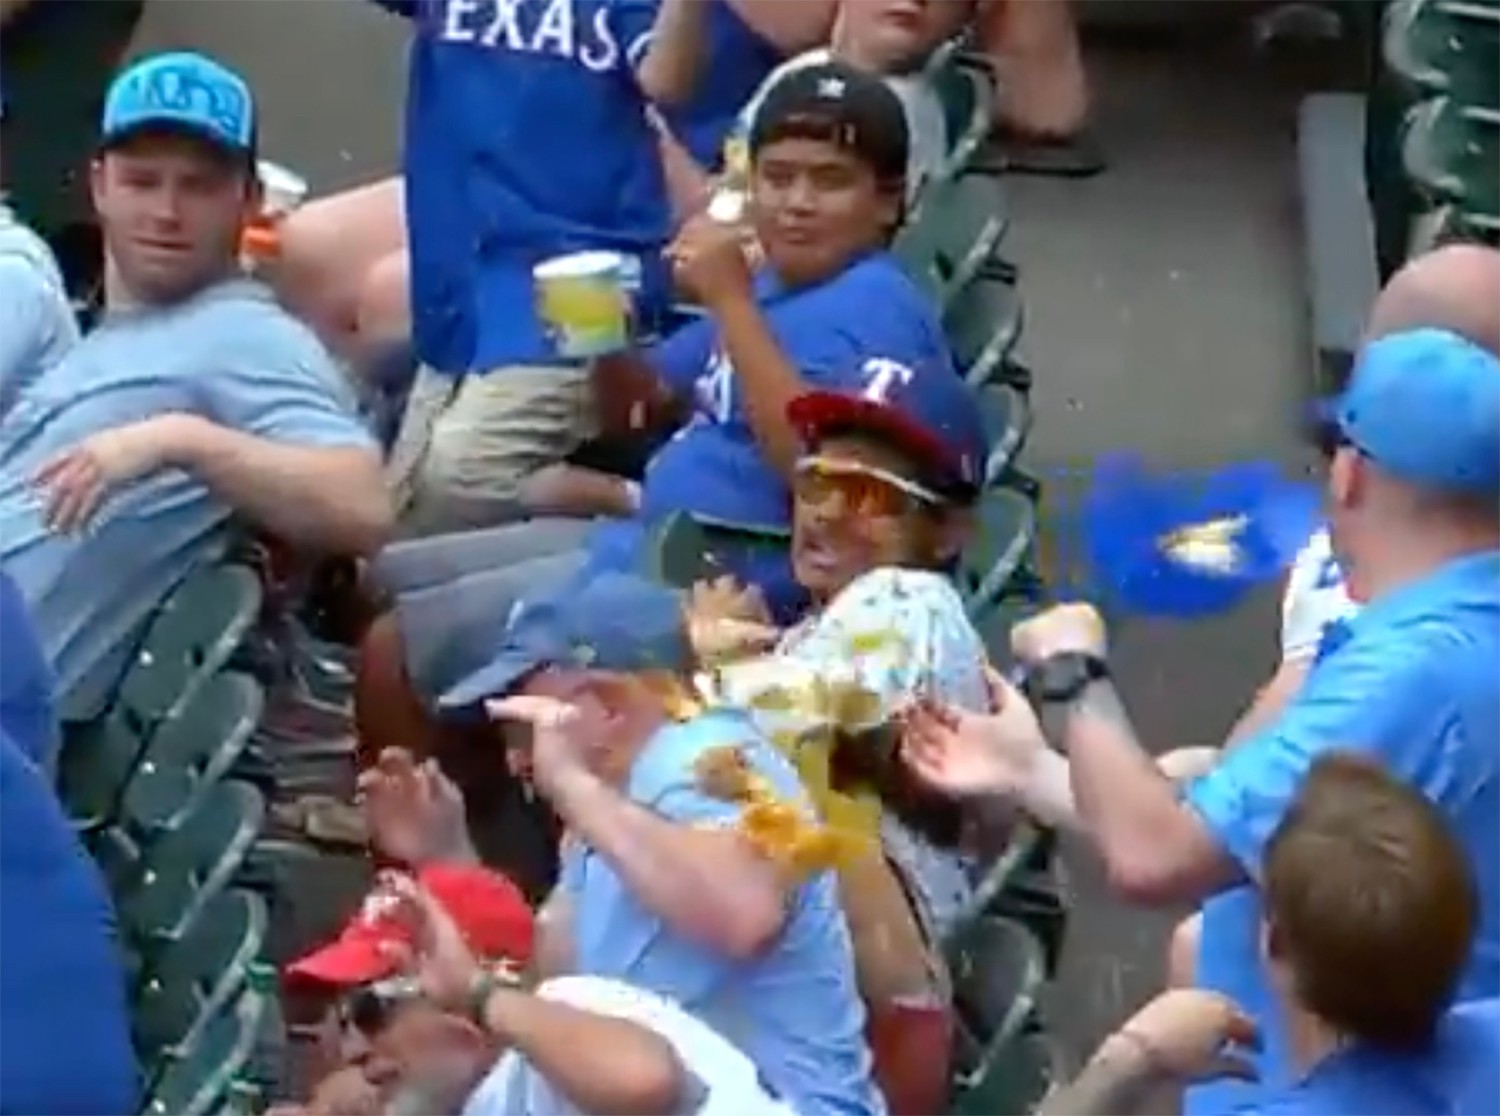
[(890, 636)]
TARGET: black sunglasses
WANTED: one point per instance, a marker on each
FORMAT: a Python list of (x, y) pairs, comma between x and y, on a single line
[(368, 1009)]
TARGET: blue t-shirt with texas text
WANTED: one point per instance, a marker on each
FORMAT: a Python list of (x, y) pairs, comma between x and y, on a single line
[(526, 137), (838, 335)]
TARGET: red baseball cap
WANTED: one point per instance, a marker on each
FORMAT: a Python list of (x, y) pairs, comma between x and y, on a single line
[(490, 912)]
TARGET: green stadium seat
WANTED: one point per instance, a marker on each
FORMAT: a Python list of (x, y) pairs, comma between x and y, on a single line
[(966, 88), (175, 875), (1005, 534), (998, 968), (191, 751), (1014, 1081), (1452, 152), (195, 1080), (1447, 47), (189, 640), (984, 322), (685, 548), (195, 976), (954, 234), (1007, 419)]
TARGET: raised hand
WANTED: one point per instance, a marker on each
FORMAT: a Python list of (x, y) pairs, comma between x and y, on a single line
[(968, 754)]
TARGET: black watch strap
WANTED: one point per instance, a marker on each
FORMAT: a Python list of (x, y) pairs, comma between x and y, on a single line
[(1060, 679)]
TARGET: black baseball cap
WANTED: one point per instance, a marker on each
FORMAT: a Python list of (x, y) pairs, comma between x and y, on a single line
[(838, 104)]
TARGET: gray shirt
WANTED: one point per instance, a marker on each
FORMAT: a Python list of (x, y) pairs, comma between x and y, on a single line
[(229, 354), (37, 326)]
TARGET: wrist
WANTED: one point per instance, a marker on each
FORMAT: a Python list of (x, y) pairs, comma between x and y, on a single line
[(184, 439), (1132, 1055), (731, 305), (571, 792)]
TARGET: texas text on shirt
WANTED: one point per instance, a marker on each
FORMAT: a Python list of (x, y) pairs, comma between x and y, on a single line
[(1459, 1075), (714, 467), (37, 325), (794, 1011), (229, 354), (1414, 683), (526, 137), (64, 1023)]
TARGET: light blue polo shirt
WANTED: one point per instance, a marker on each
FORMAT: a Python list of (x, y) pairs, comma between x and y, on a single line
[(37, 325), (229, 354), (526, 137), (795, 1011), (1458, 1075), (714, 467), (1413, 682)]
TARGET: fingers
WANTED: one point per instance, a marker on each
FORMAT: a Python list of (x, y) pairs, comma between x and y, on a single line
[(75, 486), (1228, 1066), (1241, 1030), (539, 712)]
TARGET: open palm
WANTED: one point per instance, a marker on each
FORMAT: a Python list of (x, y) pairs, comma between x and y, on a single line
[(967, 754)]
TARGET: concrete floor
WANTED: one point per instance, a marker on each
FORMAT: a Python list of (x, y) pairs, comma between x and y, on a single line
[(1165, 317)]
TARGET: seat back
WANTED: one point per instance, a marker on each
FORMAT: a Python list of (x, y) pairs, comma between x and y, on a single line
[(192, 978), (1445, 47), (1006, 413), (191, 750), (184, 867), (195, 1079), (1014, 1082), (998, 968), (1005, 534), (984, 319), (1452, 151)]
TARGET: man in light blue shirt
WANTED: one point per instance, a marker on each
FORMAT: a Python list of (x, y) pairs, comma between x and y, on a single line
[(195, 401), (1414, 514), (664, 883), (37, 325)]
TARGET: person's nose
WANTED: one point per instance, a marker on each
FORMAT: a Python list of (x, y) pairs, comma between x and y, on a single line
[(164, 208), (801, 198)]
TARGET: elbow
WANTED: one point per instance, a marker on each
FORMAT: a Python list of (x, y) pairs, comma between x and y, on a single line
[(1143, 878), (751, 925), (651, 1086)]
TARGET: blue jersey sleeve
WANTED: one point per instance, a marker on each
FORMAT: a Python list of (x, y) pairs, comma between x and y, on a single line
[(682, 356), (1374, 696), (632, 21)]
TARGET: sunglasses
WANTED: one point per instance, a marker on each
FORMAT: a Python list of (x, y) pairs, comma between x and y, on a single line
[(368, 1009), (867, 490)]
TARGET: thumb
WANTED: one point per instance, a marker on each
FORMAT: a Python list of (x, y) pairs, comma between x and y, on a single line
[(526, 709), (1001, 689)]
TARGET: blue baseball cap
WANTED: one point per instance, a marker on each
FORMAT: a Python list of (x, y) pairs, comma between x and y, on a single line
[(1424, 405), (931, 416), (1192, 545), (185, 92), (611, 622)]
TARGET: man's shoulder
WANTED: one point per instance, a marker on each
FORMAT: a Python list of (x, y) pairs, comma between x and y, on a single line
[(249, 314)]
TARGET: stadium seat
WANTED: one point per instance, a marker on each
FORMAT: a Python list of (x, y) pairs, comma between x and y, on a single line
[(984, 322), (685, 549), (1014, 1081), (1005, 533), (967, 90), (177, 873), (195, 976), (189, 640), (1451, 151), (1446, 47), (954, 234), (998, 969), (195, 1080), (190, 752), (1007, 419)]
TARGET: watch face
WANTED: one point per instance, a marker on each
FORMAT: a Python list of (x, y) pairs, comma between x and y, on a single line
[(1064, 677)]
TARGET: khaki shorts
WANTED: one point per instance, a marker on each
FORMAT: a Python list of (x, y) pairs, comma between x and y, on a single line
[(466, 443)]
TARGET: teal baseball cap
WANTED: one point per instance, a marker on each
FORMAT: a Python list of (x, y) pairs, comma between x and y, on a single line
[(185, 92), (1424, 405)]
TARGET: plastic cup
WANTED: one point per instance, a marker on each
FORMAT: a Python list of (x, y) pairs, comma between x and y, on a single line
[(282, 190), (583, 302)]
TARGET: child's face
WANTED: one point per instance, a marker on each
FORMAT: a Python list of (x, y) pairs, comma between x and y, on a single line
[(892, 36)]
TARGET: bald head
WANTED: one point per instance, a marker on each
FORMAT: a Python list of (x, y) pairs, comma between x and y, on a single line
[(1456, 288)]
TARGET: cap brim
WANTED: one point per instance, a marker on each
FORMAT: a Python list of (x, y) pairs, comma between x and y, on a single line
[(343, 964), (818, 413), (173, 126), (495, 679)]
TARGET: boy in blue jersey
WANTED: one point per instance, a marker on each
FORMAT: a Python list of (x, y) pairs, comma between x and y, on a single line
[(667, 882), (1370, 913), (527, 137), (831, 310), (196, 402)]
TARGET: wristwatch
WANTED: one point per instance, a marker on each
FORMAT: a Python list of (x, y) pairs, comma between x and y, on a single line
[(487, 981), (1060, 679)]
